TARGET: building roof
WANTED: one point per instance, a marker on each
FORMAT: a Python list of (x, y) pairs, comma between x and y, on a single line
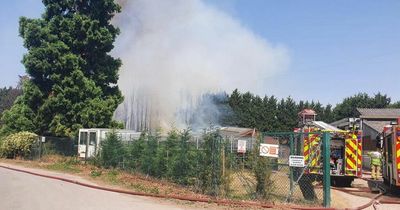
[(376, 125), (236, 131), (325, 126), (307, 112), (341, 123), (386, 113)]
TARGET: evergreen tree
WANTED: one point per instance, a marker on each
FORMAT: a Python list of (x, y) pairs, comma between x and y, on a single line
[(72, 77)]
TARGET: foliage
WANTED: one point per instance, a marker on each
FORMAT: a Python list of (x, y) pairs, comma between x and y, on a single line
[(269, 114), (66, 165), (18, 144), (72, 77), (181, 166), (7, 98), (135, 150), (348, 108), (262, 171), (112, 151), (210, 174), (149, 155)]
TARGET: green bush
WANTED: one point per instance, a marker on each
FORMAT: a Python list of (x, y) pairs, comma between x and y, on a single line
[(210, 175), (149, 156), (112, 150), (18, 144), (262, 171)]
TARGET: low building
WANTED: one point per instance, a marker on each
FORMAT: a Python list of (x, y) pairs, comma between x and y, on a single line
[(234, 134), (372, 122)]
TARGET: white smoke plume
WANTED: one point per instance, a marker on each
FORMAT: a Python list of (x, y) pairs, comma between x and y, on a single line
[(173, 51)]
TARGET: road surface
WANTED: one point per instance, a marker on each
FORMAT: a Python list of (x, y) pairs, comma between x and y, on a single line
[(21, 191)]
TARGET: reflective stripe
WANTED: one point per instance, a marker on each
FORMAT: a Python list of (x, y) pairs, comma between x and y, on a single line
[(351, 155), (359, 154), (315, 162)]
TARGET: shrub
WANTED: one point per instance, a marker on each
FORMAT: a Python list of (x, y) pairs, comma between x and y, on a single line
[(262, 168), (211, 179), (18, 144), (112, 150), (148, 158)]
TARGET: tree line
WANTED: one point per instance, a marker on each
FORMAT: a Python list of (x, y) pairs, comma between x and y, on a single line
[(269, 113)]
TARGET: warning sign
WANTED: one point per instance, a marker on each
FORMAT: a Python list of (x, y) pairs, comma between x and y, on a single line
[(269, 150), (296, 161), (241, 146)]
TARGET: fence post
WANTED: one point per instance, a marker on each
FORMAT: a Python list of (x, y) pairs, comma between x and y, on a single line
[(326, 167), (291, 144)]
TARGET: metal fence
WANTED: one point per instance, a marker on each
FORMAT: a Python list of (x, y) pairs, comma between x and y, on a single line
[(219, 167), (48, 145), (252, 176)]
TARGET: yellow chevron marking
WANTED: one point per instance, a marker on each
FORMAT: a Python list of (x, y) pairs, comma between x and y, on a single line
[(351, 143), (398, 165), (306, 148), (398, 153), (350, 152), (314, 162), (351, 164), (306, 159)]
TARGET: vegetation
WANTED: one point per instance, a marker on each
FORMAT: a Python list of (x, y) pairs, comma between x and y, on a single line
[(18, 144), (271, 114), (175, 159), (112, 151), (72, 77)]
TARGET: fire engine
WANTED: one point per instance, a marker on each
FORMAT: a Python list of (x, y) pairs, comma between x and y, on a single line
[(345, 157), (346, 150), (391, 156)]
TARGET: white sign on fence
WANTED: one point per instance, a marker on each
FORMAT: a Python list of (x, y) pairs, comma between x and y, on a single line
[(241, 148), (269, 150), (296, 161)]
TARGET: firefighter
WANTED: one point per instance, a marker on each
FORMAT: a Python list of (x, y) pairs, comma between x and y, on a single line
[(376, 161)]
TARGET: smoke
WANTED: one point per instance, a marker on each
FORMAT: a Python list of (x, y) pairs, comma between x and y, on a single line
[(174, 51)]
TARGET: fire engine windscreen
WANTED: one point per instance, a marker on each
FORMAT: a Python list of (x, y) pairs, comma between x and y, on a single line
[(175, 51)]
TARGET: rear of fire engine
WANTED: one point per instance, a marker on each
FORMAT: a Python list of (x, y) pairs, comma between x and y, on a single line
[(345, 157)]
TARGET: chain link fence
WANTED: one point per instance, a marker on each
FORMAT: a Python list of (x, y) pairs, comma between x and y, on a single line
[(49, 145), (220, 166), (252, 176)]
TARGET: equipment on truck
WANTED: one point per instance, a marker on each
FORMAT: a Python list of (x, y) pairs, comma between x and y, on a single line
[(89, 139)]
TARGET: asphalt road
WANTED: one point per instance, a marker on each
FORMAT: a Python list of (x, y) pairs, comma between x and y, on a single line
[(21, 191)]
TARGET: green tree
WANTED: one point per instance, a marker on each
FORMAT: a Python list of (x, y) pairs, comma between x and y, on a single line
[(181, 161), (348, 108), (112, 151), (287, 115), (148, 160), (72, 77)]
